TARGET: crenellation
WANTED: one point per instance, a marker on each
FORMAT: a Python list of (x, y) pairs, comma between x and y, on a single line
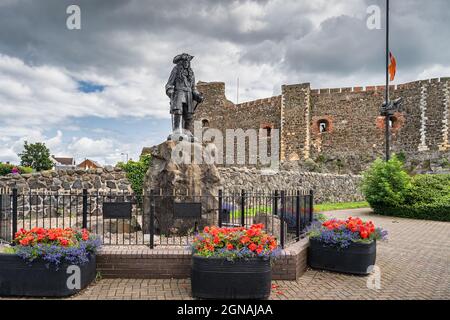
[(357, 136)]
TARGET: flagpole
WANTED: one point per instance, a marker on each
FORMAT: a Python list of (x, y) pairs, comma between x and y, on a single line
[(387, 84)]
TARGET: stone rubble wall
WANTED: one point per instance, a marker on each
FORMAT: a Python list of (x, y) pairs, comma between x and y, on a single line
[(57, 195), (107, 179), (327, 187)]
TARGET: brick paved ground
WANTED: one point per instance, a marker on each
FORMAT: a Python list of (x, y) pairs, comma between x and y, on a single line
[(414, 264)]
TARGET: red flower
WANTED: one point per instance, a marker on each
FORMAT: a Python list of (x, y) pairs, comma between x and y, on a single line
[(364, 234), (356, 225), (216, 239), (245, 240), (259, 249)]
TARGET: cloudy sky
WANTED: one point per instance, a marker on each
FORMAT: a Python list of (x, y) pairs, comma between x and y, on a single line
[(98, 92)]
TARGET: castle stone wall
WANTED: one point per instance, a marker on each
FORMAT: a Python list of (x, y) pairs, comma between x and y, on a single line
[(295, 135), (355, 134), (222, 114)]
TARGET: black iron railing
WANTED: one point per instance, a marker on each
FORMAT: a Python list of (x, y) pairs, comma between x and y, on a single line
[(155, 218)]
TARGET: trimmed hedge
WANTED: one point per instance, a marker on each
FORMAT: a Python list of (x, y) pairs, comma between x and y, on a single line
[(424, 211), (391, 193), (429, 189)]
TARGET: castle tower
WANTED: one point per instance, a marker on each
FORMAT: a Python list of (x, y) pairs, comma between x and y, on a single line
[(295, 122)]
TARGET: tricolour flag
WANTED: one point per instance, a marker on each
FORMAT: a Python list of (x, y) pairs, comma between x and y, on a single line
[(392, 66)]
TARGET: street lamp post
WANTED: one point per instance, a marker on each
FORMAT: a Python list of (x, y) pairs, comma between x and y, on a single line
[(389, 108), (388, 116)]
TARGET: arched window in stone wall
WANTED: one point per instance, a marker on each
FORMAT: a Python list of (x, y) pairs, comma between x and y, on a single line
[(393, 121), (268, 129), (205, 123), (322, 125), (396, 122)]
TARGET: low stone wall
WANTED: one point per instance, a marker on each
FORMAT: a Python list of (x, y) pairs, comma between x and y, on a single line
[(144, 263), (327, 187), (56, 195), (109, 178)]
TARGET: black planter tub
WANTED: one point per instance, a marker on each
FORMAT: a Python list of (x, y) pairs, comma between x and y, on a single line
[(19, 278), (358, 258), (214, 278)]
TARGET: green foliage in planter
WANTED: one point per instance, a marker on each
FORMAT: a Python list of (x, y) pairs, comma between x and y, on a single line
[(136, 171), (7, 250)]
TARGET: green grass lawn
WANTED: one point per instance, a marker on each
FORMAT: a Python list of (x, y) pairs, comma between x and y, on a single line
[(340, 206), (251, 212)]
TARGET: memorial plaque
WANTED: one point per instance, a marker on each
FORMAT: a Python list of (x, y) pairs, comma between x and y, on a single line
[(117, 210), (187, 210), (5, 218)]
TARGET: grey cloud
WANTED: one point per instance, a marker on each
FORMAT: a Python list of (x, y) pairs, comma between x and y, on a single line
[(343, 45), (265, 43), (111, 31)]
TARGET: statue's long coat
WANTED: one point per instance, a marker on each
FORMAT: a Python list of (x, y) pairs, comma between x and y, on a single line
[(184, 87)]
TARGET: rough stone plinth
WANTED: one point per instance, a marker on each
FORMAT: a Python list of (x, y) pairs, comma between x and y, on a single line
[(175, 176)]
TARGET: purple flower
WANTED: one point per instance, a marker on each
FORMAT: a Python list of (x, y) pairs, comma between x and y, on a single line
[(55, 255), (341, 237)]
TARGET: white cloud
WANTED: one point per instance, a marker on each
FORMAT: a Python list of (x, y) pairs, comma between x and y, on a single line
[(49, 95), (8, 155), (264, 43), (90, 148)]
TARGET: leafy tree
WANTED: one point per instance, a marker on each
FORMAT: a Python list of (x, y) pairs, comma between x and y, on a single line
[(390, 191), (136, 171), (386, 183), (36, 156)]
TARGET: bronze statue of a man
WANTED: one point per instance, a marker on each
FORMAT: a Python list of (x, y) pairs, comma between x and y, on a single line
[(183, 94)]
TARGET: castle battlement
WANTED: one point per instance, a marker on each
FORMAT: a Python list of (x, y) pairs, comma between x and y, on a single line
[(378, 88), (259, 102), (340, 123), (356, 89)]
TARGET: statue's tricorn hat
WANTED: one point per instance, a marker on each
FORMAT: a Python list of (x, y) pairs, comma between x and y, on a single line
[(182, 57)]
